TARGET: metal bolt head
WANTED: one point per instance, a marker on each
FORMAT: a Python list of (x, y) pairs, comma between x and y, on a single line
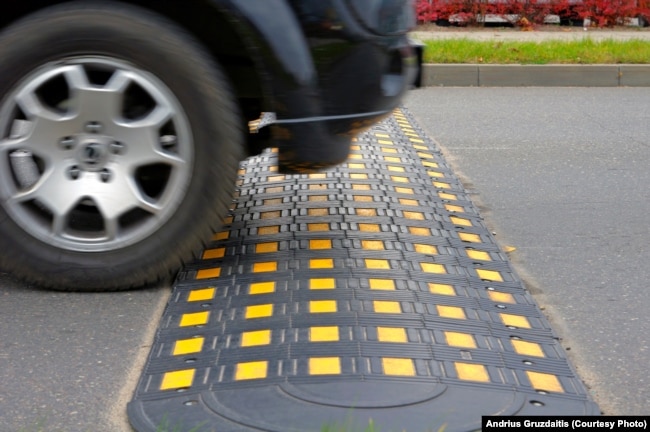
[(67, 143), (74, 172), (105, 175), (117, 147), (93, 127), (168, 140)]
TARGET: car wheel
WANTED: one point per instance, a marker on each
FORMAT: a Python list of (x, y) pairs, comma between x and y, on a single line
[(120, 142)]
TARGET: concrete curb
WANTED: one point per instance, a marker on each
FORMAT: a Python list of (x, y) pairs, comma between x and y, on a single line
[(483, 75)]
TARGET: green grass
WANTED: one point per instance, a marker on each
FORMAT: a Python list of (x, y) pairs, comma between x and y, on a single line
[(585, 51)]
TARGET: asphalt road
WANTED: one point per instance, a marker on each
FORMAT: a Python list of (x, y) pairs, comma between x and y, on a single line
[(562, 174), (69, 362)]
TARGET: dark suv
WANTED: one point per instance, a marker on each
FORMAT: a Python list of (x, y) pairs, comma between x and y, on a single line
[(123, 122)]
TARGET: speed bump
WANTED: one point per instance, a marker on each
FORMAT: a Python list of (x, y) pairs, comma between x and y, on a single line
[(372, 293)]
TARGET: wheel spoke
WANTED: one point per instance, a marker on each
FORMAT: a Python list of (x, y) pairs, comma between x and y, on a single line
[(155, 120), (119, 81), (119, 196), (33, 108), (93, 102), (58, 225), (10, 144), (111, 228), (144, 141)]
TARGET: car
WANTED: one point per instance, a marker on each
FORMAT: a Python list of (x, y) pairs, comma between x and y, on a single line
[(124, 122)]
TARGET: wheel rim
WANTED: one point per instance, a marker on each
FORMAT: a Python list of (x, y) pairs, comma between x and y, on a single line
[(95, 154)]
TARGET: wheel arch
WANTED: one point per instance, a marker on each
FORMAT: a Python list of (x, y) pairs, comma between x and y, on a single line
[(209, 21)]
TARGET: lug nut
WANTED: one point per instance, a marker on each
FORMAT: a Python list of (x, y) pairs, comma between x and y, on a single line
[(105, 175), (67, 143), (74, 172), (117, 147), (168, 140), (93, 127)]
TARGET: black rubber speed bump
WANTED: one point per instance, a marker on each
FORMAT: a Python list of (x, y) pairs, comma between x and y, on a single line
[(370, 293)]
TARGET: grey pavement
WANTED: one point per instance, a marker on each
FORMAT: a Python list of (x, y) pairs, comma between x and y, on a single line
[(69, 362), (485, 75), (562, 175)]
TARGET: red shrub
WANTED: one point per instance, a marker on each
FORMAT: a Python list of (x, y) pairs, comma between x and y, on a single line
[(425, 11), (607, 13), (532, 12), (528, 12)]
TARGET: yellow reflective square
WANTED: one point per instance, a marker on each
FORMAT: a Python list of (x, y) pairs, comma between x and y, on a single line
[(391, 334), (518, 321), (469, 237), (377, 264), (320, 244), (442, 289), (366, 212), (318, 227), (451, 312), (258, 311), (398, 366), (263, 267), (382, 306), (324, 334), (369, 227), (323, 283), (527, 348), (261, 288), (433, 268), (324, 366), (478, 255), (208, 273), (188, 346), (266, 247), (489, 275), (545, 382), (472, 372), (460, 340), (214, 253), (322, 306), (325, 263), (382, 284), (255, 338), (426, 249), (268, 230), (201, 294), (414, 215), (194, 319), (177, 379), (501, 297), (420, 231), (251, 370)]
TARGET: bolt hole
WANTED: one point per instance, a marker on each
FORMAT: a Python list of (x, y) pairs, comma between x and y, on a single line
[(190, 403), (537, 403)]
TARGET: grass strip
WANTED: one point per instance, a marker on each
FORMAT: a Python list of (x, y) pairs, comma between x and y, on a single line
[(584, 51)]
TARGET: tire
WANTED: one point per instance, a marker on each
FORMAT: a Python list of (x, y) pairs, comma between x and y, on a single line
[(119, 147)]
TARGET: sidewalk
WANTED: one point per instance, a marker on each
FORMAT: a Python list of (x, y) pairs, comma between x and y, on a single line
[(463, 75)]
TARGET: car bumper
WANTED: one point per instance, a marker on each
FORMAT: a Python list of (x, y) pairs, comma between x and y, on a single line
[(364, 88)]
